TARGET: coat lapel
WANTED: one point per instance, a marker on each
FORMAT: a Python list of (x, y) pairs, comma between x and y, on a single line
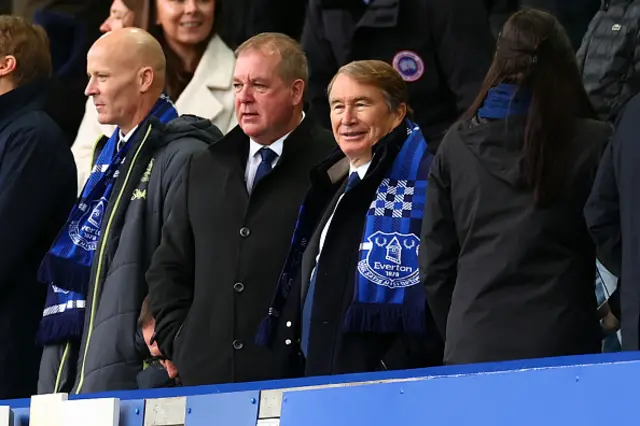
[(213, 74)]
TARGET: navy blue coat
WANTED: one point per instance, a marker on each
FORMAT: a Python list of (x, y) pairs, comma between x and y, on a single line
[(37, 191)]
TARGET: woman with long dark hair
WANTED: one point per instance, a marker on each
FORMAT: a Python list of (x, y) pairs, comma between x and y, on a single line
[(506, 258)]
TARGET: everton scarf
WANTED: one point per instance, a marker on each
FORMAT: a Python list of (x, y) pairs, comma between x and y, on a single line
[(385, 300), (504, 100), (67, 265), (388, 297)]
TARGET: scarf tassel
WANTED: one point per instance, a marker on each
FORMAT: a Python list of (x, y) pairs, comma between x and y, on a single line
[(64, 326), (378, 318), (266, 331), (67, 274)]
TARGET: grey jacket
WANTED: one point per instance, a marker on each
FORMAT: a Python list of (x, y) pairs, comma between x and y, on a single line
[(111, 352)]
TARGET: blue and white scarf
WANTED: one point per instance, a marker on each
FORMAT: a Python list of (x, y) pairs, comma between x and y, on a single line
[(67, 266), (381, 303), (388, 297)]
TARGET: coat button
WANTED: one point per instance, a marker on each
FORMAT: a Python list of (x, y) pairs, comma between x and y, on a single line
[(287, 342), (288, 324), (238, 287), (237, 344), (245, 232)]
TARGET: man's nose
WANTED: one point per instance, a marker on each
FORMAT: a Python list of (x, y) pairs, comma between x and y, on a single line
[(90, 90), (244, 95), (349, 116)]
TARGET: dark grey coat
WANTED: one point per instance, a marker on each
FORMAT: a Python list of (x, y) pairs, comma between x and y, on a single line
[(111, 352), (505, 278)]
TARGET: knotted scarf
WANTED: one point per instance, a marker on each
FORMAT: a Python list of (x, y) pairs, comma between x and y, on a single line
[(388, 297), (66, 267)]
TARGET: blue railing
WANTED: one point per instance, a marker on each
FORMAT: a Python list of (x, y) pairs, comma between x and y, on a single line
[(582, 390)]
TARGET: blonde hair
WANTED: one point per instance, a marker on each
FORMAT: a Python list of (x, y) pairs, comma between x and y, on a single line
[(378, 74), (293, 61)]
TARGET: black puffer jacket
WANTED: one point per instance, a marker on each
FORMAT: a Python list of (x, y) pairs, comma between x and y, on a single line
[(609, 58)]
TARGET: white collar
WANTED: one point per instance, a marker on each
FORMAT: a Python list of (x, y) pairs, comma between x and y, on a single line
[(362, 170), (276, 146), (124, 138)]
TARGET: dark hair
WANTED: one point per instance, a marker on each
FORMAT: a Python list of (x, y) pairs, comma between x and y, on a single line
[(29, 44), (145, 318), (534, 52), (176, 76)]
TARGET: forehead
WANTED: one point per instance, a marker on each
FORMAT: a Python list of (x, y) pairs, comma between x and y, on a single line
[(254, 64), (109, 56), (347, 88)]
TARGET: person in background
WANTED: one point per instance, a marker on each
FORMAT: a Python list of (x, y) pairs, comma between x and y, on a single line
[(247, 18), (121, 15), (610, 62), (96, 266), (72, 27), (354, 258), (37, 189), (507, 261), (222, 250), (199, 69), (612, 211), (574, 15), (441, 48)]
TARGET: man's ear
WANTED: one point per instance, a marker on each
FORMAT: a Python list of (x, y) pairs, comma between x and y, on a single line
[(297, 90), (7, 65), (145, 78)]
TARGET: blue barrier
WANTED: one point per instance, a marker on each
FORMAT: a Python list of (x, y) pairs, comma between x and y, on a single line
[(581, 390)]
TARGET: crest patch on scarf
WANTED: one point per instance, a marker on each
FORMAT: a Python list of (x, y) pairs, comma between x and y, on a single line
[(409, 65), (85, 231), (389, 259)]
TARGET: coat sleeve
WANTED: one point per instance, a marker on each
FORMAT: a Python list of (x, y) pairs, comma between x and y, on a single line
[(439, 248), (602, 213), (28, 192), (322, 63), (464, 45), (171, 274)]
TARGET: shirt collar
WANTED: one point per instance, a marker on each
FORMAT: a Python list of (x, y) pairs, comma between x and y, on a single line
[(276, 146), (362, 170), (124, 138)]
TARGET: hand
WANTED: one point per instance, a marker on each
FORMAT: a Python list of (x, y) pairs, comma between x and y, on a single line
[(147, 333)]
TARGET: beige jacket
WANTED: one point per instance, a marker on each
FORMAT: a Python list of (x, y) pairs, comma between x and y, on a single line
[(209, 94)]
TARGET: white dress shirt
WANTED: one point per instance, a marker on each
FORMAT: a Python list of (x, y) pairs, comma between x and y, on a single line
[(254, 159), (362, 171), (122, 138)]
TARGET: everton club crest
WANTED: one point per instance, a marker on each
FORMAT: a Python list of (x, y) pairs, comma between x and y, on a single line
[(389, 258), (85, 232)]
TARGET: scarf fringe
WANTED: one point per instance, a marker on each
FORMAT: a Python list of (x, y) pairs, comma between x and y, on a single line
[(61, 327), (67, 274), (266, 331), (377, 318)]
